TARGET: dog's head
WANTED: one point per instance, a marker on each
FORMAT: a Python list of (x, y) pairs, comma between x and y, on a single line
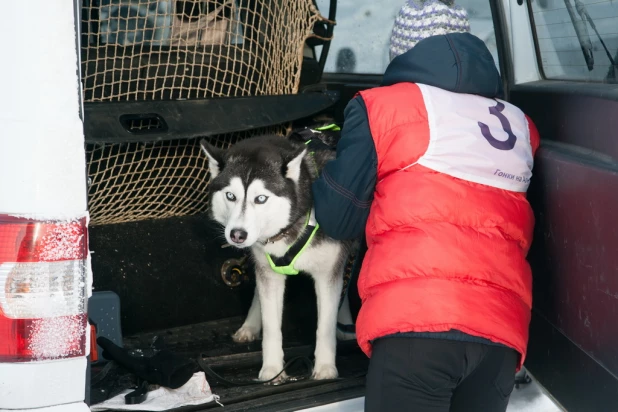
[(258, 187)]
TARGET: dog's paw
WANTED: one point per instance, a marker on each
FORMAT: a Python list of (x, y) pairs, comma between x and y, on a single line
[(269, 372), (246, 334), (325, 371)]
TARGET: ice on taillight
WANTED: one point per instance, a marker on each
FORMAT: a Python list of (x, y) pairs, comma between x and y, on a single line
[(63, 241), (43, 289), (54, 338)]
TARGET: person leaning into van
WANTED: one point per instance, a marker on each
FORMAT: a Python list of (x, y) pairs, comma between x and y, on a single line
[(434, 167)]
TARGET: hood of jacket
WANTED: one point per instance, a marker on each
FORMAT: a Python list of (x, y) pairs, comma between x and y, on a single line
[(457, 62)]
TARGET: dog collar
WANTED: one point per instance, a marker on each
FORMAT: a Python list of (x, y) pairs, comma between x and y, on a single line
[(285, 264), (279, 236), (332, 127)]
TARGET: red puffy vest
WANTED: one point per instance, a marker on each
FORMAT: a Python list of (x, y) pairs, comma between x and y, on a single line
[(449, 227)]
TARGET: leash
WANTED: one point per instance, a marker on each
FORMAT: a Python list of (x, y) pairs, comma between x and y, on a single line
[(305, 360)]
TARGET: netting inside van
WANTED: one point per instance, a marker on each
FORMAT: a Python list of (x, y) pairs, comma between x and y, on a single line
[(137, 50), (137, 181)]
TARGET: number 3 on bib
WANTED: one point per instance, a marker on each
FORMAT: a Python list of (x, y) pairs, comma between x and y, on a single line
[(507, 144)]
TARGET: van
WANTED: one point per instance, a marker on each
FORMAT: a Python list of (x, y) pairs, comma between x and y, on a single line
[(103, 188)]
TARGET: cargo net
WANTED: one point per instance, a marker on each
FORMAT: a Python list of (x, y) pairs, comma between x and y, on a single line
[(187, 49), (137, 50), (137, 181)]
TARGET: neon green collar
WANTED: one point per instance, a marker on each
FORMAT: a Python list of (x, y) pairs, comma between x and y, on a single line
[(332, 127), (285, 264)]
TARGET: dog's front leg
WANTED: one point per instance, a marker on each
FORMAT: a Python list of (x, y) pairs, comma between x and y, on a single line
[(271, 287), (328, 290), (250, 329)]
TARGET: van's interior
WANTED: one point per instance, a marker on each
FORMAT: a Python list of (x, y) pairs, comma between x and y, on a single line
[(158, 76)]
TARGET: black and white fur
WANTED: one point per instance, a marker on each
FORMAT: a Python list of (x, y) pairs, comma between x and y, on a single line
[(261, 189)]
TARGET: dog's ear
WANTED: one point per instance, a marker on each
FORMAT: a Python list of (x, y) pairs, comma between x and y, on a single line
[(293, 163), (215, 157)]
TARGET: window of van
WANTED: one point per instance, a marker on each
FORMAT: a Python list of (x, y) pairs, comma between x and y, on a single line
[(577, 39), (362, 36)]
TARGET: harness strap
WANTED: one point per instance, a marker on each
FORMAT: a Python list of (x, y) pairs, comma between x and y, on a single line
[(332, 127), (284, 265)]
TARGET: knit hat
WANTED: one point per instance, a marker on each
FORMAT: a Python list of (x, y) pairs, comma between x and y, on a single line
[(419, 19)]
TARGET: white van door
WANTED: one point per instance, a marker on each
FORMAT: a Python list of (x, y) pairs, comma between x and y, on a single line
[(44, 257)]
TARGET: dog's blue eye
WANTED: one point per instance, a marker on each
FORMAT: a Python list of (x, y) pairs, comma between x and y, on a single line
[(261, 199), (230, 196)]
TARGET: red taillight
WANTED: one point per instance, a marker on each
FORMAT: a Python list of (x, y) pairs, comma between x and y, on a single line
[(42, 289)]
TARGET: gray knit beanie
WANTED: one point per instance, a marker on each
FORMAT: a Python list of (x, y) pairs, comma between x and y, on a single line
[(419, 19)]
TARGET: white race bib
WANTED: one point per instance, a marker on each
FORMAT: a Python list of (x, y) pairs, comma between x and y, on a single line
[(477, 139)]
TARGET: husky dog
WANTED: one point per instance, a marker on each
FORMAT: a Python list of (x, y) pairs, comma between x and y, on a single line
[(261, 194)]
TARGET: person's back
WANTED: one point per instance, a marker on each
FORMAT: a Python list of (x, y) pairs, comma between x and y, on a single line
[(435, 167)]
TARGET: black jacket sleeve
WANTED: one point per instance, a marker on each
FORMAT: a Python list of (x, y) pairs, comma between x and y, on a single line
[(344, 191)]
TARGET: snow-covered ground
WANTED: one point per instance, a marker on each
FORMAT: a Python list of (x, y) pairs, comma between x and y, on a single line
[(528, 398), (531, 398)]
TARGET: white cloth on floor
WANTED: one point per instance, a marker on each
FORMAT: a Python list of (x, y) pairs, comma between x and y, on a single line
[(195, 392)]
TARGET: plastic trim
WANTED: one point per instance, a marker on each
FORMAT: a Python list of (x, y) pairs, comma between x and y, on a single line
[(107, 122)]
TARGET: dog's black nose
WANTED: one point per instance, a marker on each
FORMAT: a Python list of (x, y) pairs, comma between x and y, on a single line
[(238, 235)]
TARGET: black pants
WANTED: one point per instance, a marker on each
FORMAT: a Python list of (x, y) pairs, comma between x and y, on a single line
[(431, 375)]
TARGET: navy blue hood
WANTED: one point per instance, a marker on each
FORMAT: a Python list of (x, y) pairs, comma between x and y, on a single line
[(457, 62)]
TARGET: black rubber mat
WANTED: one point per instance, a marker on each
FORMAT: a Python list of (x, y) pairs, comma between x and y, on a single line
[(233, 361)]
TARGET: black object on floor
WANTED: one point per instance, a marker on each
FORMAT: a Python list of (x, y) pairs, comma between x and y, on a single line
[(165, 368), (139, 395)]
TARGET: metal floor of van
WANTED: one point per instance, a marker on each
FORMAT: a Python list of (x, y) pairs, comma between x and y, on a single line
[(236, 362)]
